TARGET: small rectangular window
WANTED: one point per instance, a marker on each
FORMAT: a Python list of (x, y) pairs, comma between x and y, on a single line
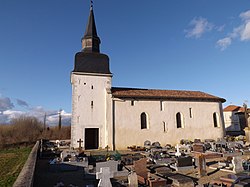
[(190, 113), (92, 104), (164, 126), (132, 103), (161, 105), (92, 87)]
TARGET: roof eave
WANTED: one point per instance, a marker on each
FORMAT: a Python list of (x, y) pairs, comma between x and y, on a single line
[(171, 98)]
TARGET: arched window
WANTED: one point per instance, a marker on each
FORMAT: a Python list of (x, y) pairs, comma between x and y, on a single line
[(179, 120), (216, 120), (144, 121)]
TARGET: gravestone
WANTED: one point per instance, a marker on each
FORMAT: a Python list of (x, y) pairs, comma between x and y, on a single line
[(237, 164), (111, 164), (156, 144), (177, 151), (184, 161), (147, 144), (58, 143), (185, 148), (202, 165), (198, 147), (140, 167), (104, 175), (213, 146), (197, 140), (132, 179)]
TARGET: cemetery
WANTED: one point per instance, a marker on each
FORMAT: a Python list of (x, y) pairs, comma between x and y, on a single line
[(221, 162)]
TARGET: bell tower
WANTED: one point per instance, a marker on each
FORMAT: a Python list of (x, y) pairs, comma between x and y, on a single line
[(91, 93)]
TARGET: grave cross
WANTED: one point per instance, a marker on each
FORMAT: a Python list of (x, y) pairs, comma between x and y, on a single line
[(177, 151), (104, 175), (80, 143), (107, 147)]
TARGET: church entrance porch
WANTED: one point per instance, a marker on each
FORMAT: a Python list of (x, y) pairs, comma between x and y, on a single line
[(91, 138)]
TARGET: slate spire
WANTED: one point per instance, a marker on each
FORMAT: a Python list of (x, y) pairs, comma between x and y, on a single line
[(90, 60), (91, 41)]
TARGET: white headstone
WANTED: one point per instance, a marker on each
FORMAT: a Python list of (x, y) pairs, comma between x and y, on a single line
[(237, 164), (58, 143), (112, 164), (177, 151), (132, 179), (213, 146), (104, 175)]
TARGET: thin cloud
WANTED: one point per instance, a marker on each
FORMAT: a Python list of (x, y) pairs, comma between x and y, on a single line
[(245, 35), (198, 27), (22, 103), (220, 28), (5, 104), (245, 15), (224, 43), (242, 32)]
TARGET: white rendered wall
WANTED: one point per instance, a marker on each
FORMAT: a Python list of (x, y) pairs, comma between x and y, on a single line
[(88, 89), (232, 121), (128, 130)]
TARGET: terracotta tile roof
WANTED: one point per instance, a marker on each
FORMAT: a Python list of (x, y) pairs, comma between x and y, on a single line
[(233, 108), (163, 94)]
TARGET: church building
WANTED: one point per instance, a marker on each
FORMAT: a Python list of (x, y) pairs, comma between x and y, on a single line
[(118, 117)]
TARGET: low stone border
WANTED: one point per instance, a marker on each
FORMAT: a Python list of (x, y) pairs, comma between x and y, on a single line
[(26, 176)]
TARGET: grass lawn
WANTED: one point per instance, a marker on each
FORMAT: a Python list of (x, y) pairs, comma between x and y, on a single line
[(11, 163)]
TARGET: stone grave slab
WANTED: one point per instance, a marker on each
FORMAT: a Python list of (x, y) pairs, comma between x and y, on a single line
[(165, 161), (156, 181), (163, 171), (181, 181)]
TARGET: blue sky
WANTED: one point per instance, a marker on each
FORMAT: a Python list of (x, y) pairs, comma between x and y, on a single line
[(175, 44)]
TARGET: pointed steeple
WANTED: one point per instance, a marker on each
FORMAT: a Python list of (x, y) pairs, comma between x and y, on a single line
[(90, 60), (90, 41)]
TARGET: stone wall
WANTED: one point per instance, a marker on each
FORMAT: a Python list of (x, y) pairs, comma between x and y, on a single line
[(25, 178)]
